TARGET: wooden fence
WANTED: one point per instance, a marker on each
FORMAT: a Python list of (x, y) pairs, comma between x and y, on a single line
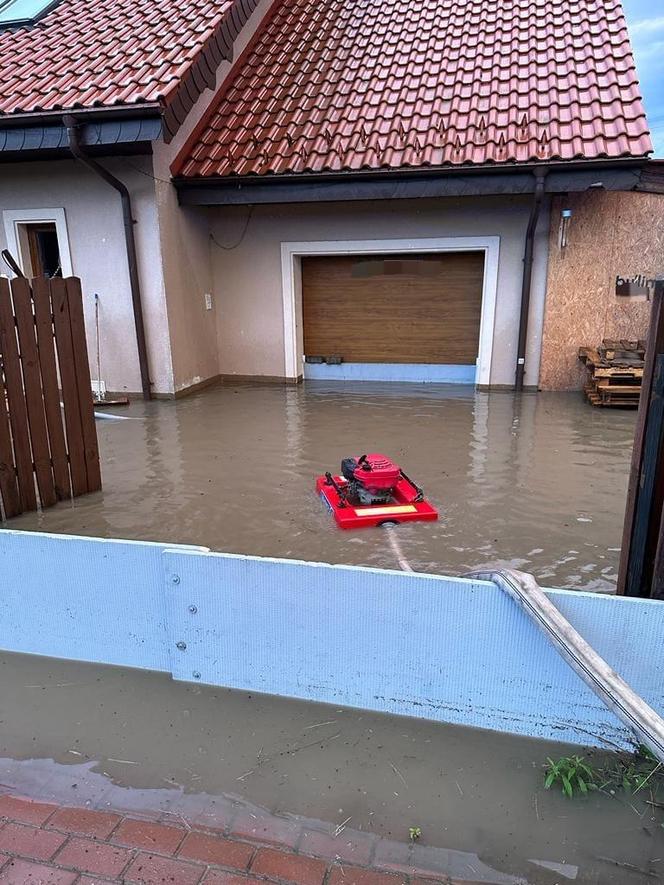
[(48, 439)]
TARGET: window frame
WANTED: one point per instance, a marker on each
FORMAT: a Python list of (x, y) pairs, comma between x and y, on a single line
[(23, 21), (12, 218)]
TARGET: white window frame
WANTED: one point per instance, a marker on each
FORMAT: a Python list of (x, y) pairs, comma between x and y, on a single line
[(291, 280), (12, 218)]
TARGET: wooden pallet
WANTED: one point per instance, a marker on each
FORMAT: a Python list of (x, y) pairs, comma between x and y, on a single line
[(616, 372)]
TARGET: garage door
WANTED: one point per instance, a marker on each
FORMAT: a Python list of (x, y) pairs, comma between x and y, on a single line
[(393, 308)]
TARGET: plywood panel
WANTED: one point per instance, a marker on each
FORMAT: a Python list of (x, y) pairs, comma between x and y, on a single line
[(394, 308), (610, 234)]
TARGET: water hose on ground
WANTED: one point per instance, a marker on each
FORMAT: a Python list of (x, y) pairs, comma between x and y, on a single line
[(602, 679), (404, 565)]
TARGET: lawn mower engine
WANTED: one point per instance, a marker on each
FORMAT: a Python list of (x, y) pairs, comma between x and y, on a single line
[(372, 491), (372, 479)]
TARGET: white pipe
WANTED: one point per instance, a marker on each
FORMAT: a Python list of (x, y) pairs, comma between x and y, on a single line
[(632, 710)]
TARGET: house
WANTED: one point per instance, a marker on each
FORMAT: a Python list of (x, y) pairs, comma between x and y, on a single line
[(272, 189)]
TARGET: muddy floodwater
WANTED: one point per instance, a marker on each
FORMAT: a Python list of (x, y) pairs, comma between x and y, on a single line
[(536, 481), (477, 793)]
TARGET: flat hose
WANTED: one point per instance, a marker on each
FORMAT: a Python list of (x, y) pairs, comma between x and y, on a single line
[(602, 679)]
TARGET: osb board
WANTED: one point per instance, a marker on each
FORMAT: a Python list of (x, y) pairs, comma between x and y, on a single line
[(610, 234)]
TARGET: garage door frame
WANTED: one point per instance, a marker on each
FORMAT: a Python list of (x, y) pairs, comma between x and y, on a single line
[(291, 271)]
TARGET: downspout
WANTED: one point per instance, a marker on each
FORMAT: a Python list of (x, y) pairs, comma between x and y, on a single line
[(130, 246), (528, 254)]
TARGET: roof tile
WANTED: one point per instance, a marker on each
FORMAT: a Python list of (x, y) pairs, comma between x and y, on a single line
[(87, 53), (380, 84)]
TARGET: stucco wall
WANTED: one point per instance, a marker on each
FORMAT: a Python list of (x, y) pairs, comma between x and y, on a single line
[(96, 240), (185, 248), (610, 234), (248, 276)]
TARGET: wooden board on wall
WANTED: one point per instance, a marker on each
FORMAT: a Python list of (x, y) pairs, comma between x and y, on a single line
[(394, 308)]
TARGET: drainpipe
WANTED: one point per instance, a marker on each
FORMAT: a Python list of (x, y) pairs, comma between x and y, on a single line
[(130, 246), (538, 196)]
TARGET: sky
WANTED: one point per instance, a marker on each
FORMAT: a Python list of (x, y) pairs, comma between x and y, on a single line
[(645, 20)]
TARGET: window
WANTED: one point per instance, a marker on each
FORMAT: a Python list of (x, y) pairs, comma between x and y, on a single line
[(42, 245), (37, 240), (18, 12)]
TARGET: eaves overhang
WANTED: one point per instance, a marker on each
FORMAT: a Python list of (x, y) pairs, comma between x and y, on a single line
[(408, 183), (45, 136)]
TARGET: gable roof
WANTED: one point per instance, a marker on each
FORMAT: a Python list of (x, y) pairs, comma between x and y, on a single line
[(351, 85), (86, 54)]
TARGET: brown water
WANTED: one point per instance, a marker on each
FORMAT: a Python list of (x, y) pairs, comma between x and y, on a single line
[(537, 481), (468, 790)]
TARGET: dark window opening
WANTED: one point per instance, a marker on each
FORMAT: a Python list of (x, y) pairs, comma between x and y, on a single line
[(44, 250)]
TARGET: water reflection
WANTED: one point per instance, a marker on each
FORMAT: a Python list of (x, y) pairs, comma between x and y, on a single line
[(536, 481)]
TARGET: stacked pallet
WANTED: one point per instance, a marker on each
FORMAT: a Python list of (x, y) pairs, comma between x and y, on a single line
[(616, 372)]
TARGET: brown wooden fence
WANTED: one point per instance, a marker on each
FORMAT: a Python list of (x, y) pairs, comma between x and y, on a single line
[(48, 439)]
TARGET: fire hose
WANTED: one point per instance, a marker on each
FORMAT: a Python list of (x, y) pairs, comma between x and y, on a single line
[(602, 679)]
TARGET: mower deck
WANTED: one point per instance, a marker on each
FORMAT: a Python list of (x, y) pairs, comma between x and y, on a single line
[(403, 508)]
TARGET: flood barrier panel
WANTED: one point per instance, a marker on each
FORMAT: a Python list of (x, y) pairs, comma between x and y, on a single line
[(440, 648)]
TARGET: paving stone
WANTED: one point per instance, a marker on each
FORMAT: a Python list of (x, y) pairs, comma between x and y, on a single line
[(346, 875), (25, 810), (153, 869), (221, 877), (393, 855), (23, 872), (155, 837), (84, 821), (289, 867), (267, 828), (94, 880), (216, 850), (94, 857), (355, 847), (30, 842)]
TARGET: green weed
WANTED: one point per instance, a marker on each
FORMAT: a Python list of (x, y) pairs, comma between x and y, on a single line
[(628, 772), (572, 773)]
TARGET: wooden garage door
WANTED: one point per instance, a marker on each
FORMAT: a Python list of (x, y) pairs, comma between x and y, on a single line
[(394, 308)]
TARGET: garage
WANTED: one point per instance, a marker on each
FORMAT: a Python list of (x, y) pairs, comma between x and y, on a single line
[(392, 316)]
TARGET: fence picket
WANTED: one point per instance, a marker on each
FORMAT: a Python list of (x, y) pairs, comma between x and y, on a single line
[(34, 400), (82, 371), (11, 503), (63, 341), (44, 320), (18, 415)]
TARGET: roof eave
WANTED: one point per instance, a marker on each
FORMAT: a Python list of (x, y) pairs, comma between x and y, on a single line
[(517, 178), (49, 139), (103, 112)]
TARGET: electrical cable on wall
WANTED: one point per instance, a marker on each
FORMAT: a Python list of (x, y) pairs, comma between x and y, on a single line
[(241, 238)]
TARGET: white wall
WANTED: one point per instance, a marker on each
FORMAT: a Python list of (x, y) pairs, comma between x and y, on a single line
[(96, 240), (248, 279)]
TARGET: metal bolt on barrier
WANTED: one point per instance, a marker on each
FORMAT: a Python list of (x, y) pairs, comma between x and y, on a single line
[(196, 674), (193, 609), (181, 645), (175, 579)]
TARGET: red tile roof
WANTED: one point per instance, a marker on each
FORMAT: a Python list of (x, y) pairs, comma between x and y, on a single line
[(382, 84), (92, 53)]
